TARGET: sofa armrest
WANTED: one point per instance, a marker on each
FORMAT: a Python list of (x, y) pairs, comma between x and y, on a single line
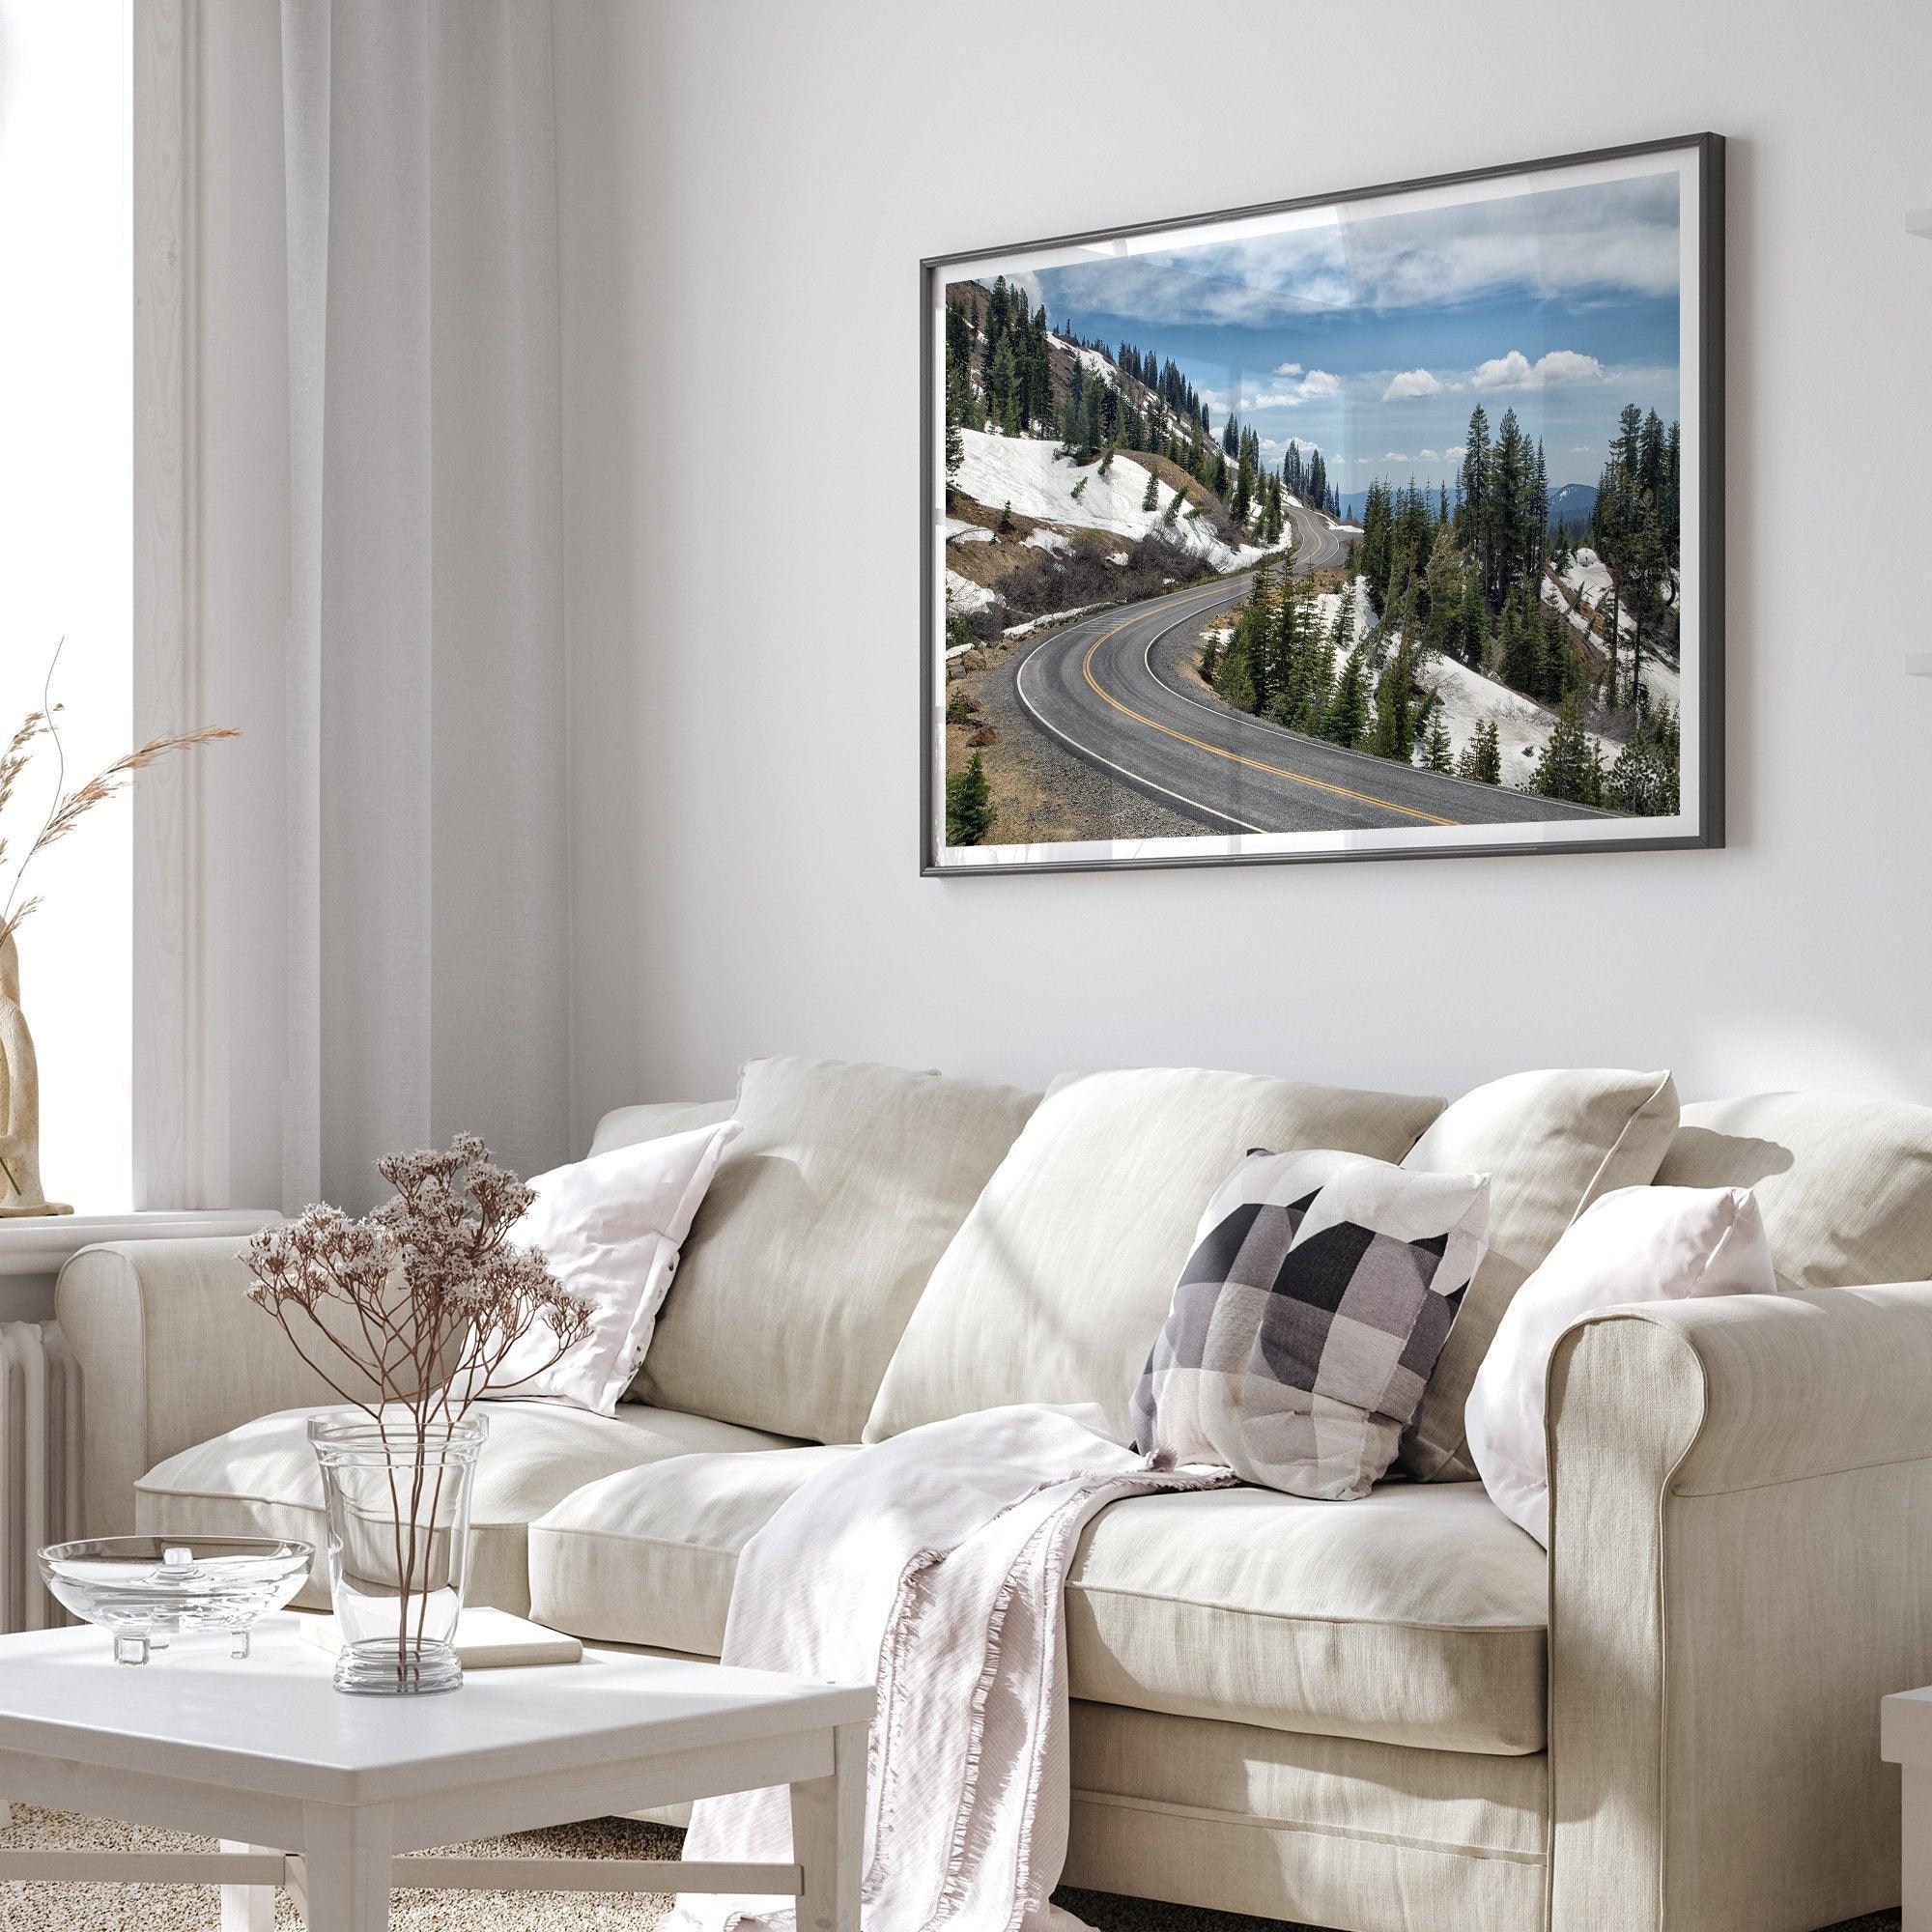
[(171, 1352), (1741, 1567)]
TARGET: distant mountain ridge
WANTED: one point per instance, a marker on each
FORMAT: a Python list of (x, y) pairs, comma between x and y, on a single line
[(1570, 504)]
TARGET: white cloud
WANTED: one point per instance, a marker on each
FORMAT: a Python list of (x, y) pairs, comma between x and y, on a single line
[(1315, 387), (1516, 371), (1612, 236), (1503, 372), (1412, 382), (1429, 455), (1567, 366), (1287, 368)]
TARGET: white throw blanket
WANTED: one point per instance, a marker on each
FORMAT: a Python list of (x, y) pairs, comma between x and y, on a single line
[(933, 1562)]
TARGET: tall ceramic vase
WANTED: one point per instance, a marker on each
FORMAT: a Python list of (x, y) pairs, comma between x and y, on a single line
[(397, 1494), (20, 1190)]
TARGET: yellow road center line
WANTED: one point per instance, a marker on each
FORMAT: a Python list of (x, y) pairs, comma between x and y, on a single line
[(1235, 758)]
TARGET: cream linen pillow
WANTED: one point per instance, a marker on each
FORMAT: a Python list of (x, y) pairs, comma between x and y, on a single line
[(1058, 1284), (609, 1227), (625, 1126), (1638, 1244), (825, 1220), (1845, 1184), (1551, 1143)]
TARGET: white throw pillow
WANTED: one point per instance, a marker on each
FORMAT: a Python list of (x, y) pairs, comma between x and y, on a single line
[(612, 1227), (1638, 1244)]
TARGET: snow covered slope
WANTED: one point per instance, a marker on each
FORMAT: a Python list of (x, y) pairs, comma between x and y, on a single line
[(1590, 580), (1588, 576), (1039, 483), (1466, 698), (1325, 605), (963, 594)]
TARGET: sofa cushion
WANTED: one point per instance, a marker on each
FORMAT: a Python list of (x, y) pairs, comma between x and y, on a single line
[(1551, 1143), (620, 1561), (1060, 1280), (1414, 1616), (1844, 1185), (626, 1126), (260, 1479), (817, 1235)]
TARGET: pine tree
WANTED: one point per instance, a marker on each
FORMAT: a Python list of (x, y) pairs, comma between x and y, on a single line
[(1150, 496), (1004, 526), (1524, 665), (1320, 686), (1566, 769), (1346, 719), (1005, 395), (1483, 760), (1234, 675), (1644, 780), (957, 404), (1477, 516), (1392, 732), (969, 804), (1435, 746)]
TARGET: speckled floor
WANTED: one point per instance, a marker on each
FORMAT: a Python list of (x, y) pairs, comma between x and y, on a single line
[(187, 1908)]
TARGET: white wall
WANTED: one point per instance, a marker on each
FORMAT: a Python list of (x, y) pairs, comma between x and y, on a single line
[(747, 188)]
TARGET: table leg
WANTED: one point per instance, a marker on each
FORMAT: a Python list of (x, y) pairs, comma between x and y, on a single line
[(827, 1832), (346, 1857), (246, 1907), (1916, 1849)]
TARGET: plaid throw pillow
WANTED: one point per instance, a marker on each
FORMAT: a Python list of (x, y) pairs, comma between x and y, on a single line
[(1306, 1322)]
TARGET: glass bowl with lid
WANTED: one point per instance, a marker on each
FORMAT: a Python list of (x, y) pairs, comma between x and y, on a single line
[(146, 1590)]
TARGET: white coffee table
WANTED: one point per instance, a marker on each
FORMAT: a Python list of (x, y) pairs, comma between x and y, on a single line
[(320, 1792)]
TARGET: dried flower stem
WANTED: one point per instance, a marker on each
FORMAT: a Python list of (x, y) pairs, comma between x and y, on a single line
[(66, 809), (429, 1297)]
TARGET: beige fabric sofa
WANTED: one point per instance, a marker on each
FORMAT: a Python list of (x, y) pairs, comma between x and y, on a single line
[(1390, 1716)]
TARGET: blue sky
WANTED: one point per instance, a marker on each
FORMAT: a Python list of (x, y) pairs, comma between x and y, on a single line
[(1374, 336)]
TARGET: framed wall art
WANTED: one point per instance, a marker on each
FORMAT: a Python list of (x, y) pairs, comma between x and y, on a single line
[(1373, 525)]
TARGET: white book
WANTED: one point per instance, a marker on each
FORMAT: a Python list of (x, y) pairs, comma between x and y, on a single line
[(486, 1640)]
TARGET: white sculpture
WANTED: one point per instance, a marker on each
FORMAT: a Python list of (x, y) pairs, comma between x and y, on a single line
[(20, 1100)]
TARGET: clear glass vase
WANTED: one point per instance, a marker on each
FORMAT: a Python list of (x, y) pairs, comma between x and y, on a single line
[(398, 1496)]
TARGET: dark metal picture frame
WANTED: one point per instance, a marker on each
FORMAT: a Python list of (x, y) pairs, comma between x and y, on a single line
[(1699, 819)]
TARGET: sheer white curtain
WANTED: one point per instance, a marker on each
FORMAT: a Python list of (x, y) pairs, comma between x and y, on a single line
[(426, 910)]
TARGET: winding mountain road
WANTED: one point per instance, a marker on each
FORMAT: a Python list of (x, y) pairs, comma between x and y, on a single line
[(1114, 689)]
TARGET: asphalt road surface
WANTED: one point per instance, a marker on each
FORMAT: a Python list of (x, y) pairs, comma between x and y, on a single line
[(1112, 689)]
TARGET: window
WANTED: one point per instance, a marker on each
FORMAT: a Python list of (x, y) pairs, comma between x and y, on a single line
[(66, 490)]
